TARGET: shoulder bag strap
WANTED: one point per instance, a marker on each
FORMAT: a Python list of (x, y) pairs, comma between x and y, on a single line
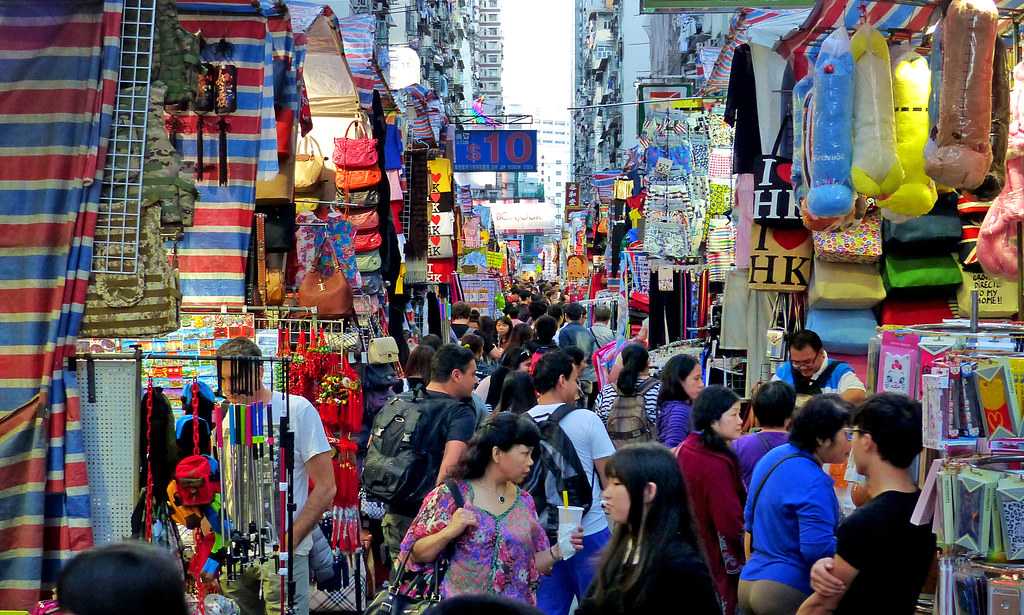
[(757, 494)]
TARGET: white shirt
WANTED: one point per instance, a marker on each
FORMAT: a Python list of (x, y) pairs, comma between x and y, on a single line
[(310, 440), (590, 439)]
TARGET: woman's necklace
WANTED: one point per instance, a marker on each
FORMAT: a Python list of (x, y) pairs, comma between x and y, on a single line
[(500, 496)]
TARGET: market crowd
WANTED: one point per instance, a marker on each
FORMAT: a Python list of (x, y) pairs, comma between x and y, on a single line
[(536, 489)]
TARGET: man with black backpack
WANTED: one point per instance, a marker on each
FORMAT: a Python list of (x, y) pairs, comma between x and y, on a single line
[(573, 451), (418, 438)]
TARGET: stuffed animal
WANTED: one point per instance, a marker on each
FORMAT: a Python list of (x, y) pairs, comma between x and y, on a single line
[(1015, 143), (876, 167), (964, 152), (801, 114), (999, 133), (831, 147), (916, 195)]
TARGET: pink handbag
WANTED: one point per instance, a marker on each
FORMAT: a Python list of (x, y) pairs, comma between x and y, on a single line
[(356, 153)]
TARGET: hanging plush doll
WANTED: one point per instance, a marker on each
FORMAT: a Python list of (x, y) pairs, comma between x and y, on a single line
[(964, 151), (801, 101), (998, 134), (911, 85), (831, 194), (876, 167)]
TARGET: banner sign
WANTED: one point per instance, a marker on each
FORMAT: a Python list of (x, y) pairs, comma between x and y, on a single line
[(713, 6), (572, 198), (496, 150), (524, 217)]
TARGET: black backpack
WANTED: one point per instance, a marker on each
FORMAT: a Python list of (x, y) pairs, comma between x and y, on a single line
[(398, 468), (557, 469)]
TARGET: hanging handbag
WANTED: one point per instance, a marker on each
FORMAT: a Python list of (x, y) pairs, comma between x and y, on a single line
[(358, 152), (780, 259), (774, 204), (348, 180), (364, 220), (860, 244), (382, 350), (279, 227), (275, 287), (920, 275), (845, 286), (359, 197), (776, 335), (394, 601), (367, 241), (309, 165), (368, 262), (330, 294)]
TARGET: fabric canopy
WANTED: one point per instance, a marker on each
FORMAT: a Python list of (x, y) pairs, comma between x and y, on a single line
[(357, 33), (330, 86), (886, 16), (757, 26)]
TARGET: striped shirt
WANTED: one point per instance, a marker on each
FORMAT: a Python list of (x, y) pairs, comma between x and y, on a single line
[(606, 399)]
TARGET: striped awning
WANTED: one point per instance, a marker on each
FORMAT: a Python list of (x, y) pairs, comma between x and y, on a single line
[(740, 32), (357, 35), (888, 17)]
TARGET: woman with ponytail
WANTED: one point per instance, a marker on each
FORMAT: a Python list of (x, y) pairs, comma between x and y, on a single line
[(631, 377), (712, 474)]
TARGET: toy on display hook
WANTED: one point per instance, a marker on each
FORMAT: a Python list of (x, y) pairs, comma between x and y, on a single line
[(831, 139), (876, 168)]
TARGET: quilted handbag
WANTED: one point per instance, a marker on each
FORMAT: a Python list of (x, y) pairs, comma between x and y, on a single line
[(843, 331), (368, 262), (309, 165), (923, 274), (364, 220), (348, 180), (997, 298), (382, 351), (367, 241), (357, 152), (845, 286), (859, 244), (906, 312), (937, 232)]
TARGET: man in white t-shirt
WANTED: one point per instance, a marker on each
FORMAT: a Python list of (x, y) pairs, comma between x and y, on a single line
[(555, 381), (312, 461)]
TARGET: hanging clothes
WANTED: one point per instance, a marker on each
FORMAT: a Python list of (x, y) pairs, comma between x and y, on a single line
[(741, 112)]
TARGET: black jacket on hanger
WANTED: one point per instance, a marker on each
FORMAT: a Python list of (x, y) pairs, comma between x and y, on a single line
[(741, 112)]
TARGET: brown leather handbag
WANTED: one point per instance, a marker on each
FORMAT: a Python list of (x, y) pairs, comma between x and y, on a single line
[(331, 295), (367, 220)]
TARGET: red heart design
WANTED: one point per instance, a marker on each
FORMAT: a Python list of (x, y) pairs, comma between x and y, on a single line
[(436, 219), (785, 172), (436, 177), (790, 238), (436, 240), (435, 197)]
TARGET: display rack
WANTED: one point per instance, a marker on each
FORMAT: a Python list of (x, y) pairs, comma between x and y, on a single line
[(116, 242)]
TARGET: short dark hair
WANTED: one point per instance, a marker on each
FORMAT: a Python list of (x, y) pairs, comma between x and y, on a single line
[(805, 338), (602, 313), (577, 355), (552, 365), (419, 361), (556, 311), (546, 327), (819, 419), (894, 422), (461, 310), (774, 403), (434, 341), (511, 310), (474, 342), (503, 430), (536, 298), (239, 347), (710, 406), (448, 358), (137, 577), (524, 294), (574, 311), (538, 309)]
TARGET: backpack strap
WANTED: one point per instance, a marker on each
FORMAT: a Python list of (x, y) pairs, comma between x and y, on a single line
[(757, 494), (561, 412)]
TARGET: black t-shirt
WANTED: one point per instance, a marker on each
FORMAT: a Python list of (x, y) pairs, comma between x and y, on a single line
[(679, 583), (460, 329), (891, 554), (450, 420)]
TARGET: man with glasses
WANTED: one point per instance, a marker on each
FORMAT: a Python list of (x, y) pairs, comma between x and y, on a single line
[(811, 372)]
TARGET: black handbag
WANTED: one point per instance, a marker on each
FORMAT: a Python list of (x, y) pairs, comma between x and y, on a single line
[(280, 226), (391, 600), (774, 202), (360, 197)]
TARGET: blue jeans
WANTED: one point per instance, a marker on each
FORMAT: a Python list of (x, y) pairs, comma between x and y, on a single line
[(570, 578)]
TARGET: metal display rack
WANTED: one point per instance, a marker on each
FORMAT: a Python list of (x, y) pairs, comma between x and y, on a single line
[(116, 243)]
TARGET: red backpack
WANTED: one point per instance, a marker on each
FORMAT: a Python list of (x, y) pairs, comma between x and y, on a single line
[(197, 479)]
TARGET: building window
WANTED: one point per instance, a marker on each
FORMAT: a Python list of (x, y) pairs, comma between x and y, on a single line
[(492, 58)]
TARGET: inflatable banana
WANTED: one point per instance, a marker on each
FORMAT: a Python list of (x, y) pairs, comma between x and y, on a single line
[(999, 133), (964, 152), (831, 146), (876, 167), (911, 84), (801, 113)]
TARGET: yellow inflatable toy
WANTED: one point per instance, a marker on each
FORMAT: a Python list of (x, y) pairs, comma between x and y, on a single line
[(876, 167), (911, 90)]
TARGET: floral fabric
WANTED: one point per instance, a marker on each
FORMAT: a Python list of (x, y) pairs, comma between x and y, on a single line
[(309, 239), (495, 557)]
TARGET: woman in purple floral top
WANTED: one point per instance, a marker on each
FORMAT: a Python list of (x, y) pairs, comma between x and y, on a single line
[(499, 545)]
